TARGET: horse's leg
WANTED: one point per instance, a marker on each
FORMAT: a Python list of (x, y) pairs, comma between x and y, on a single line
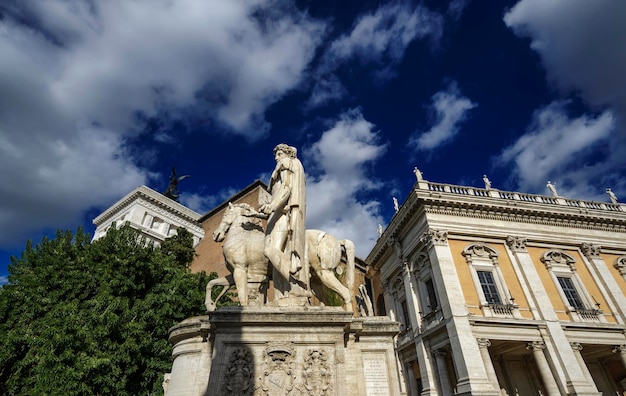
[(240, 277), (226, 281), (330, 280)]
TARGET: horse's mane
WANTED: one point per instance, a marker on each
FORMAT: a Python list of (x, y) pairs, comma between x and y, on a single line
[(253, 220)]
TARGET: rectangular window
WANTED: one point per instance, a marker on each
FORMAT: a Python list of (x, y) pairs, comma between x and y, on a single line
[(570, 292), (405, 314), (432, 295), (488, 285)]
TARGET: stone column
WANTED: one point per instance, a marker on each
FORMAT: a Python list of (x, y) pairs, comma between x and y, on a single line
[(616, 300), (577, 347), (390, 304), (621, 349), (411, 297), (483, 345), (544, 368), (442, 369), (472, 377)]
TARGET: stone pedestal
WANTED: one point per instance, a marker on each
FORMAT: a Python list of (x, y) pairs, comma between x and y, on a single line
[(284, 351)]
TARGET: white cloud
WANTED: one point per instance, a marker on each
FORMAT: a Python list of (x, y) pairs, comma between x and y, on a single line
[(378, 39), (580, 43), (4, 280), (450, 109), (336, 167), (559, 148), (581, 46), (202, 203), (74, 79)]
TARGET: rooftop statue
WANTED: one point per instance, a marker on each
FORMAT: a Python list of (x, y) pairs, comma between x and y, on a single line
[(172, 189), (487, 182), (612, 196), (552, 189)]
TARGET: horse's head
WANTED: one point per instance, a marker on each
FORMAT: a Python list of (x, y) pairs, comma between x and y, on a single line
[(229, 216), (242, 215)]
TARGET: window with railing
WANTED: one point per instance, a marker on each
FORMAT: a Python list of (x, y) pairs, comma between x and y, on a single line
[(494, 296), (579, 304)]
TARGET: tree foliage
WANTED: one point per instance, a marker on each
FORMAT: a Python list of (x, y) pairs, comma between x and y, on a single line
[(79, 318)]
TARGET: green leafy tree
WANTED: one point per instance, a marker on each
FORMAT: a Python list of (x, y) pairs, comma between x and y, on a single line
[(81, 318)]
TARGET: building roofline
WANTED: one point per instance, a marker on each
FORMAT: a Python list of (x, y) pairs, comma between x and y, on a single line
[(243, 192), (490, 203), (152, 196)]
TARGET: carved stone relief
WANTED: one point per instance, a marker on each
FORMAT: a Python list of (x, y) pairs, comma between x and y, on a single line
[(278, 370), (590, 251), (620, 265), (435, 237), (516, 244), (238, 378), (480, 251), (558, 258), (318, 376)]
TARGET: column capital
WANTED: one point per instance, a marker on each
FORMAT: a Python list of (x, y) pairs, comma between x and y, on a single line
[(619, 349), (483, 342), (536, 346), (577, 346), (439, 353), (590, 251), (435, 237), (516, 244)]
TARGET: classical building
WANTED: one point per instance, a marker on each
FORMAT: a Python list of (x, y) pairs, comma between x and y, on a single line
[(504, 293), (153, 214)]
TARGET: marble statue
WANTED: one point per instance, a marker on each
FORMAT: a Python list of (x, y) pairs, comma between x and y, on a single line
[(418, 174), (285, 234), (612, 196), (253, 255), (395, 204), (244, 241), (487, 182), (552, 189)]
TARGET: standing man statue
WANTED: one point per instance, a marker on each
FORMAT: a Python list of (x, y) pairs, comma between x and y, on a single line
[(552, 188), (612, 196), (285, 234), (487, 182)]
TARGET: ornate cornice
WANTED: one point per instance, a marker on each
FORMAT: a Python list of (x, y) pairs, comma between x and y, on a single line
[(153, 197)]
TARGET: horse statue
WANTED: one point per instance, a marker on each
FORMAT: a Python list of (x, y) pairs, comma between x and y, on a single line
[(244, 242)]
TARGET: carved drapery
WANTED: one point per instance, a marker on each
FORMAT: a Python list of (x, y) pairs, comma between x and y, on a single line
[(516, 244)]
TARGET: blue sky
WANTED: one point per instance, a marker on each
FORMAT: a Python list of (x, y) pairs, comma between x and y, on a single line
[(99, 97)]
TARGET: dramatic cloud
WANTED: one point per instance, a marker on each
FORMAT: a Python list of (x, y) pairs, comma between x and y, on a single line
[(340, 160), (581, 46), (450, 109), (4, 280), (561, 149), (378, 40), (78, 78)]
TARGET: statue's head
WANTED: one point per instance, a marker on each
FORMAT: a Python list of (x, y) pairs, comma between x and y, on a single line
[(290, 151)]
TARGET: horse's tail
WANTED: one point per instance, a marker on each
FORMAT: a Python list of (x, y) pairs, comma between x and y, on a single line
[(349, 246)]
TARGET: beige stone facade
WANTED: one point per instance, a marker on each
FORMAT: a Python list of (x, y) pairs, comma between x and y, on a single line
[(504, 293)]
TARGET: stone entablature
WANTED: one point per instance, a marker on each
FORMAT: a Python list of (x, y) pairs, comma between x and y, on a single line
[(153, 214), (495, 205)]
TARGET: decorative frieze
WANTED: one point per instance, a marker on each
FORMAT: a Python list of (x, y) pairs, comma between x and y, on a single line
[(516, 244)]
